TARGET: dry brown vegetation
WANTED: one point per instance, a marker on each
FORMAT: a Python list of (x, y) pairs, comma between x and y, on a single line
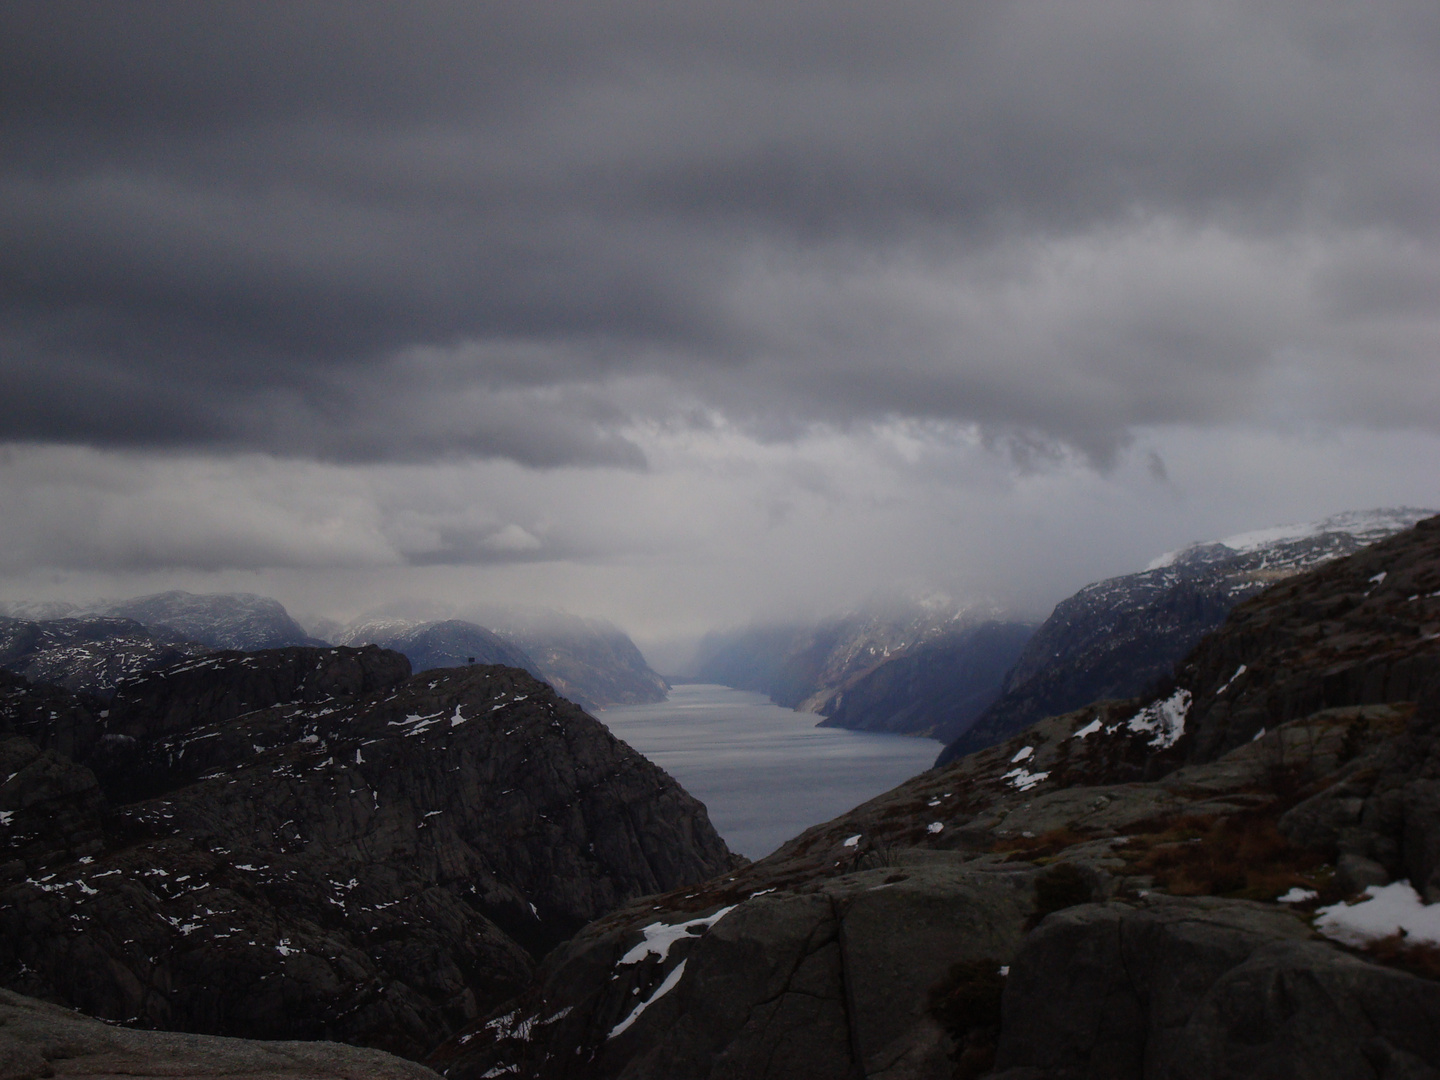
[(1242, 856)]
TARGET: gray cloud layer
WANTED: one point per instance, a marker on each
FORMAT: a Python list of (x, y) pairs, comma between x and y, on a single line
[(380, 232)]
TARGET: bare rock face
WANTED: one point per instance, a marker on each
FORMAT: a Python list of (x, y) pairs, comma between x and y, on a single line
[(39, 1039), (1206, 988), (337, 851)]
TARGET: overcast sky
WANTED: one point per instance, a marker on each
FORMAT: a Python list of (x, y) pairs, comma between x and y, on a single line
[(686, 315)]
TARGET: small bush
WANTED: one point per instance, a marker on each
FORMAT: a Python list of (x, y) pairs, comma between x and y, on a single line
[(966, 1003)]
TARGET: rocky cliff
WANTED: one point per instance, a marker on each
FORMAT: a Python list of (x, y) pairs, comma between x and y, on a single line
[(1116, 638), (1142, 888), (311, 843)]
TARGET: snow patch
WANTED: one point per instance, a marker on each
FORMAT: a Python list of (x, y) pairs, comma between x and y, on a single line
[(671, 981), (1385, 910), (851, 841), (935, 827), (1164, 719), (660, 936), (1297, 895), (1089, 729), (1238, 672), (1022, 779), (1024, 753)]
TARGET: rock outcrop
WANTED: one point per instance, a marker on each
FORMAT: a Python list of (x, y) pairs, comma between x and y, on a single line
[(1199, 987), (325, 848)]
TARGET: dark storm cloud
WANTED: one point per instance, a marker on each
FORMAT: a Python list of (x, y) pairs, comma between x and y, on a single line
[(375, 232)]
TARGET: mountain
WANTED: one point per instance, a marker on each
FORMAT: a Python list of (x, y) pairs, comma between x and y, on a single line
[(91, 654), (309, 843), (936, 688), (1115, 638), (1206, 883), (220, 620), (589, 661), (820, 668), (446, 643)]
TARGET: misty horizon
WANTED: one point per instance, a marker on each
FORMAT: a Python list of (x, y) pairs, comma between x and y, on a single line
[(695, 319)]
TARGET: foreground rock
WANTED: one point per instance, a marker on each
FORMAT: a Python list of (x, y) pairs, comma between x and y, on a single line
[(1191, 988), (327, 850), (1099, 895), (39, 1039)]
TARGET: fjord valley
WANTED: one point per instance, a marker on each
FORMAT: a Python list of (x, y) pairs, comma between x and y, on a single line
[(459, 866)]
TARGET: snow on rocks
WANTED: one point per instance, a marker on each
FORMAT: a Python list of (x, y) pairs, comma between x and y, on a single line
[(671, 981), (1385, 910), (660, 936), (1022, 779), (1164, 719)]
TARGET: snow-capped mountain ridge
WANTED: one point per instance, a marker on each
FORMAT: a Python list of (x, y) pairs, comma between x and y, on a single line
[(1366, 526)]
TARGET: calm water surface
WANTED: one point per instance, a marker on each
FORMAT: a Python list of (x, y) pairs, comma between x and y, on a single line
[(764, 773)]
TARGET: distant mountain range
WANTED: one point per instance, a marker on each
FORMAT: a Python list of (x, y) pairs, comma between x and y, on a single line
[(1116, 638), (927, 668), (91, 648), (589, 661)]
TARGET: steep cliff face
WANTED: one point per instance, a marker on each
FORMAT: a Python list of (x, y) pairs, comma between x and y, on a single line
[(1117, 638), (1123, 890), (936, 688), (334, 850)]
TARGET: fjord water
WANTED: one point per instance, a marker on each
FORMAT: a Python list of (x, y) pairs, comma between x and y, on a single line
[(764, 773)]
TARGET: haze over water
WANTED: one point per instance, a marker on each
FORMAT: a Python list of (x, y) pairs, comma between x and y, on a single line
[(764, 773)]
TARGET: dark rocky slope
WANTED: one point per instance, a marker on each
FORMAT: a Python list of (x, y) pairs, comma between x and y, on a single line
[(1117, 638), (92, 653), (328, 849), (936, 688), (1096, 896)]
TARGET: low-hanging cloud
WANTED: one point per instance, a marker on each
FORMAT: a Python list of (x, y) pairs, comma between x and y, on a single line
[(440, 231)]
